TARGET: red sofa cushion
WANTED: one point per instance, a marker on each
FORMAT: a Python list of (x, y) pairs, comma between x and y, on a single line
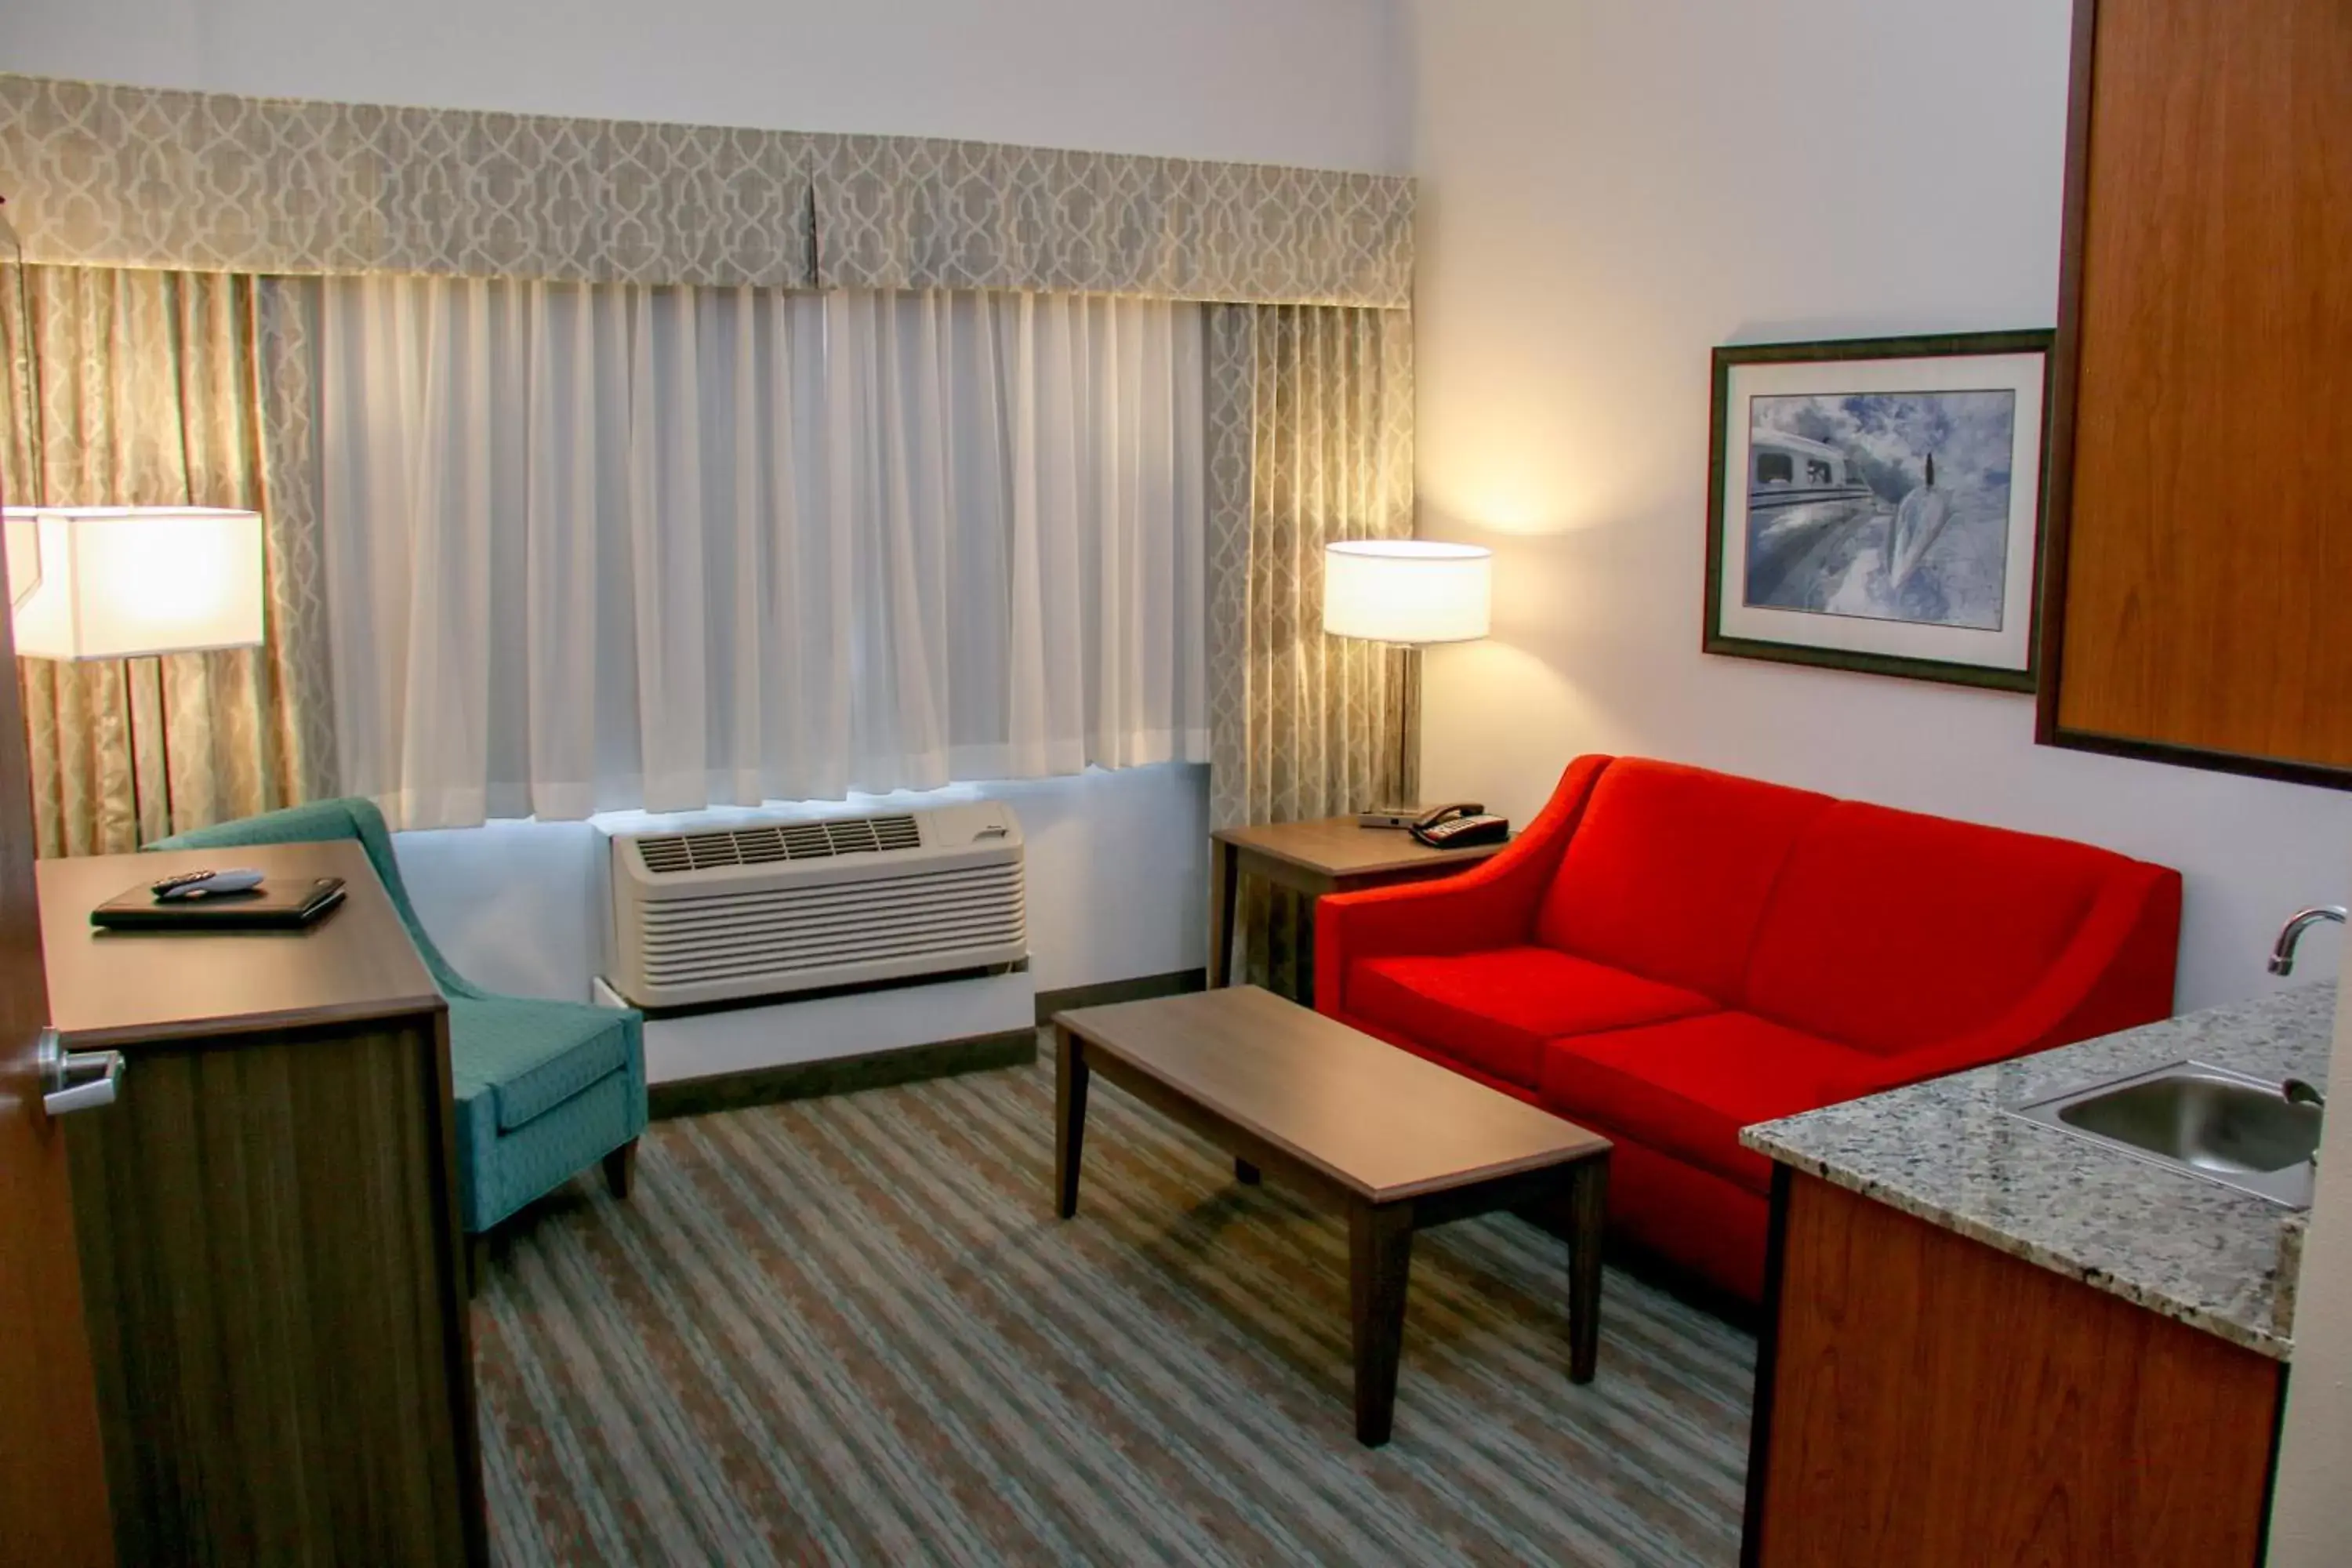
[(1494, 1010), (1890, 930), (1669, 870), (1686, 1088)]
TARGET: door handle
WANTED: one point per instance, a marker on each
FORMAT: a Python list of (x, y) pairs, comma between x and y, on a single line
[(77, 1080)]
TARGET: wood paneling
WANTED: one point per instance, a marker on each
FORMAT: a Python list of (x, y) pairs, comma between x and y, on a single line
[(2202, 555), (269, 1278), (1934, 1401)]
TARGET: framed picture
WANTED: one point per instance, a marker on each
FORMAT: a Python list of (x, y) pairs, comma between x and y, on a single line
[(1875, 504)]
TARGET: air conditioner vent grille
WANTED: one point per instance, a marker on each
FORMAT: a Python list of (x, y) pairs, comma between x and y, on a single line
[(667, 853), (772, 909)]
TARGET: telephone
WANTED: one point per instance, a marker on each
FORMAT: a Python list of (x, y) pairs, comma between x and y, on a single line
[(1459, 826)]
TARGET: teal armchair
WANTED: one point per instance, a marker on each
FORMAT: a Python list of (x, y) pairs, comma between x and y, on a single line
[(544, 1090)]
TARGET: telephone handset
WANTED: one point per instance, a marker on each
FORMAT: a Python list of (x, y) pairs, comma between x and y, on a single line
[(1459, 825)]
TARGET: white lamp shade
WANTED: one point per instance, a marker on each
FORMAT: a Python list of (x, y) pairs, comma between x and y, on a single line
[(1412, 590), (124, 581)]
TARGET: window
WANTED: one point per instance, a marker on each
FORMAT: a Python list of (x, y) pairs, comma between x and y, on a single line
[(1774, 469), (592, 548)]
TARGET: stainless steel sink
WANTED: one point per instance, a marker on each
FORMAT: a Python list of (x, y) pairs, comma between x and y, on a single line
[(2208, 1122)]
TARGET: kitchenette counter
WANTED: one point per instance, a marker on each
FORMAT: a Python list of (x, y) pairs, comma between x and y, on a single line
[(1947, 1153)]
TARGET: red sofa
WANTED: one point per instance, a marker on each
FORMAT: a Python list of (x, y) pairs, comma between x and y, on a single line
[(1668, 955)]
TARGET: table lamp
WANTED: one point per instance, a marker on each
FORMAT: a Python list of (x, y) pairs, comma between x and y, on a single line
[(133, 582), (1408, 593)]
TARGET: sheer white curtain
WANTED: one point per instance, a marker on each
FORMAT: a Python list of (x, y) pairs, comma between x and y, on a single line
[(600, 547)]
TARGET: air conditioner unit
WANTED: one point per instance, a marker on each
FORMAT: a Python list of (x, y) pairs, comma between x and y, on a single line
[(770, 908)]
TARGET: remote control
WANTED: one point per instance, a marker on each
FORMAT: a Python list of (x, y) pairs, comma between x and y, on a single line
[(204, 884)]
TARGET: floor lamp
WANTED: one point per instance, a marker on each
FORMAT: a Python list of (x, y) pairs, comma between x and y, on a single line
[(134, 582), (1409, 593)]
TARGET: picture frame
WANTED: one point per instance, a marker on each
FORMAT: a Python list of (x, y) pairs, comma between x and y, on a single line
[(1834, 536)]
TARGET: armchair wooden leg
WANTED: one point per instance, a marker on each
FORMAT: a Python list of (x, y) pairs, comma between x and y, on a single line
[(621, 1168), (478, 1262)]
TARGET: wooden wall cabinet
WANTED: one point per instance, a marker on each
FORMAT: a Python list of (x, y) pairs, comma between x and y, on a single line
[(2198, 588), (267, 1224), (1924, 1399)]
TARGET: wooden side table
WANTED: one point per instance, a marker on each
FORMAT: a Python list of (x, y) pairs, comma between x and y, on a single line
[(1331, 855)]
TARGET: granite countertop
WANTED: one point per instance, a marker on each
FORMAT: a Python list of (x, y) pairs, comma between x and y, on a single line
[(2207, 1255)]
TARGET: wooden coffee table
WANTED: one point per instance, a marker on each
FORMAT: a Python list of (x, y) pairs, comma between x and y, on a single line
[(1395, 1142)]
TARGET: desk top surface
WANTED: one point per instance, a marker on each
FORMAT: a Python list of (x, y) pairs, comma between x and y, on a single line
[(127, 989), (1338, 847)]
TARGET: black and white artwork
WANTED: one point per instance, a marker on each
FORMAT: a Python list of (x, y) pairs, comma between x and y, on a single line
[(1889, 504), (1876, 505)]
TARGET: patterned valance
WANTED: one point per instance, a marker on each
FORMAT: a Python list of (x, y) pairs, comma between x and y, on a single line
[(135, 176), (899, 211), (150, 177)]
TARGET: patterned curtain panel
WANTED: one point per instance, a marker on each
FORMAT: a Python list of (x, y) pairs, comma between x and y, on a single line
[(1310, 440), (192, 389)]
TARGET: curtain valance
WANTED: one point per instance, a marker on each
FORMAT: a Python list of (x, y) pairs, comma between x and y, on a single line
[(903, 212), (103, 175), (150, 177)]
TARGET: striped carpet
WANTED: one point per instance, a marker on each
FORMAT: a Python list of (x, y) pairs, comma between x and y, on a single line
[(849, 1330)]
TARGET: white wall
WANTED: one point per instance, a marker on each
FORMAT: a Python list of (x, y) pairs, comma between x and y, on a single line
[(1609, 190), (1284, 81), (1117, 862)]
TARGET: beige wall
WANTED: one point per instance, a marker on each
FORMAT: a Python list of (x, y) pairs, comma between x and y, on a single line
[(1612, 189)]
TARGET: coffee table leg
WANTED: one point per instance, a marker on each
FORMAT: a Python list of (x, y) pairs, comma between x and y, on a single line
[(1070, 1074), (1245, 1173), (1379, 1255), (1588, 1210)]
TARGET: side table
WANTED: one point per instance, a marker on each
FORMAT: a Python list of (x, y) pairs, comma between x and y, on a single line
[(1330, 854)]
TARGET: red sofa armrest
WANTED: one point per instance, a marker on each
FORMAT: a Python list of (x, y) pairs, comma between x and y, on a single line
[(2118, 973), (1491, 905)]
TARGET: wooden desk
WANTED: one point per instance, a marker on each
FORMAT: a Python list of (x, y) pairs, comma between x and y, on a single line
[(1329, 855), (267, 1224)]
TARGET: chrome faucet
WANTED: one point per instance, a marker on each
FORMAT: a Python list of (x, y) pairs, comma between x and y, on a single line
[(2283, 954)]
